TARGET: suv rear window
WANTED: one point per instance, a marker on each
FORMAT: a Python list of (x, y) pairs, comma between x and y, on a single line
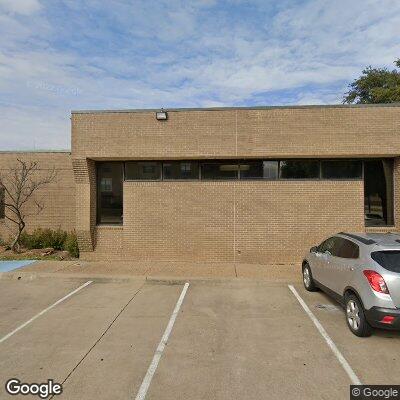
[(389, 259)]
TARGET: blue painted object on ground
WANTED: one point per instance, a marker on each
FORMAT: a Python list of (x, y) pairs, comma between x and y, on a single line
[(6, 266)]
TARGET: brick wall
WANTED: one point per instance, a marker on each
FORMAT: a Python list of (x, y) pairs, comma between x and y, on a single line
[(396, 179), (85, 185), (252, 222), (278, 222), (108, 245), (58, 198), (245, 222), (276, 132)]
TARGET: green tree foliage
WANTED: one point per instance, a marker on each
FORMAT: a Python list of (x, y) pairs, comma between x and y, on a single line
[(374, 86)]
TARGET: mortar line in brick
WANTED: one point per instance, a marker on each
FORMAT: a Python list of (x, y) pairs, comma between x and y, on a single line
[(236, 134)]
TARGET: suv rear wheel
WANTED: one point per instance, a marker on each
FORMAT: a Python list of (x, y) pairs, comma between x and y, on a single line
[(355, 316), (308, 280)]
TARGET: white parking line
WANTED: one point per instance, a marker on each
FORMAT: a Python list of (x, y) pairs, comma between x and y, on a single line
[(44, 311), (144, 387), (346, 366)]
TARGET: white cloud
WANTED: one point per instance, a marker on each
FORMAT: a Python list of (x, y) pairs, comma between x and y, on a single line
[(25, 7), (32, 128), (176, 53)]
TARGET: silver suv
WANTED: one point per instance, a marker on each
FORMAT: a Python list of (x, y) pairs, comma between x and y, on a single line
[(362, 272)]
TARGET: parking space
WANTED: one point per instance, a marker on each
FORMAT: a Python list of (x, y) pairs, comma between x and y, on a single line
[(246, 341), (376, 360), (20, 300), (236, 339)]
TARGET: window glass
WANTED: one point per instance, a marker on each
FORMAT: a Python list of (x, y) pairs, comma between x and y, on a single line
[(109, 192), (348, 249), (299, 169), (332, 245), (341, 169), (180, 170), (378, 192), (146, 170), (325, 245), (259, 170), (219, 170), (106, 184), (389, 260)]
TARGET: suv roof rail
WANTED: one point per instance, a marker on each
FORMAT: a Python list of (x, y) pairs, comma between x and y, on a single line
[(358, 238)]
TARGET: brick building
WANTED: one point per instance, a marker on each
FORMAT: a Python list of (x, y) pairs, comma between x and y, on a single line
[(246, 185)]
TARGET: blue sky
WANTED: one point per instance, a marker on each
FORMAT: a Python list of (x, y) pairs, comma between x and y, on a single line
[(58, 56)]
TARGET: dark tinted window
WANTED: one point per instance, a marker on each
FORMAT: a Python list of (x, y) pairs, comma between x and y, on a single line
[(348, 249), (259, 170), (146, 170), (109, 192), (219, 170), (181, 170), (299, 169), (389, 260), (378, 192), (341, 169), (332, 245)]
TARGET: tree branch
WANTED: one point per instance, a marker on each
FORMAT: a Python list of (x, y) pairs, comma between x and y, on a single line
[(19, 185)]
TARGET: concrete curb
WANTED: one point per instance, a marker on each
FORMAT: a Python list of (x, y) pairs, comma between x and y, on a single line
[(182, 280), (164, 280), (29, 276)]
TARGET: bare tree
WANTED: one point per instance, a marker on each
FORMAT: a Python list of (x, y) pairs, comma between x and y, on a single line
[(20, 185)]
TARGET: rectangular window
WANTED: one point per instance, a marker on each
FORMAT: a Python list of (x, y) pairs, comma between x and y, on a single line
[(259, 170), (180, 170), (378, 193), (2, 201), (109, 192), (299, 169), (219, 170), (143, 170), (341, 169)]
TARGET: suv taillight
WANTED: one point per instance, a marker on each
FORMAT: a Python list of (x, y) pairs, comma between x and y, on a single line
[(376, 281)]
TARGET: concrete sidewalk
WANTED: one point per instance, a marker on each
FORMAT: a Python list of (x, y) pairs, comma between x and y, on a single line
[(157, 270)]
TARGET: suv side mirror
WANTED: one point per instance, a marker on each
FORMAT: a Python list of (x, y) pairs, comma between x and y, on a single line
[(314, 249)]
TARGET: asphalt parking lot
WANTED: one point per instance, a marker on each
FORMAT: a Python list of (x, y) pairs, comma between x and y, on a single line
[(230, 340)]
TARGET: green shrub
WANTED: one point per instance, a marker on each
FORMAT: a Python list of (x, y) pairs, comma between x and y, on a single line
[(71, 245), (57, 239), (42, 238), (3, 242), (26, 240)]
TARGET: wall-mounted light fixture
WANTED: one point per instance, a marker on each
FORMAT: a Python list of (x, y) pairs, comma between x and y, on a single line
[(161, 115)]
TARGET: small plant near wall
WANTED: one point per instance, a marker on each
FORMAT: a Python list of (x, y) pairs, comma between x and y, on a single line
[(44, 238), (51, 239), (3, 242), (71, 245)]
